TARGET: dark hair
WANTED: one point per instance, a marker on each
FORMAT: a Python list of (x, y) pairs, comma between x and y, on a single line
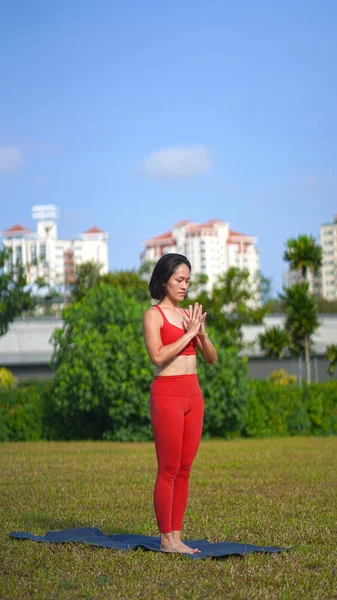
[(164, 268)]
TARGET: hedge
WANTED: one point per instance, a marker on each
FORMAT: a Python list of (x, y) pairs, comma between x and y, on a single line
[(233, 406)]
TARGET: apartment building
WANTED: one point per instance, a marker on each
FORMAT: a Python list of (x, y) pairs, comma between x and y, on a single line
[(45, 255), (211, 248), (329, 267)]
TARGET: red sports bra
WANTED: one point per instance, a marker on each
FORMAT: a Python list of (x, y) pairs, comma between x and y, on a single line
[(171, 333)]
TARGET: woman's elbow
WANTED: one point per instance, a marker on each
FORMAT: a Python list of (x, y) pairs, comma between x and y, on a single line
[(157, 361), (213, 359)]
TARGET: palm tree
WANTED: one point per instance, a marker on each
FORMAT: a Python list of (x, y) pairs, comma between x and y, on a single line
[(303, 254), (274, 341), (301, 319)]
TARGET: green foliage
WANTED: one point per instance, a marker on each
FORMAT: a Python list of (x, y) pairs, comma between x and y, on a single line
[(130, 282), (281, 377), (233, 406), (103, 374), (274, 342), (276, 410), (225, 390), (274, 306), (233, 303), (7, 379), (303, 254), (22, 413), (331, 355), (264, 286), (14, 299), (87, 275), (322, 407), (301, 315)]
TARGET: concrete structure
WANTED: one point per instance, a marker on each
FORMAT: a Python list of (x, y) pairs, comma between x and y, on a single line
[(45, 255), (26, 348), (211, 248), (329, 268)]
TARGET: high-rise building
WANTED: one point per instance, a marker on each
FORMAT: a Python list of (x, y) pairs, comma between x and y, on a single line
[(44, 255), (314, 279), (329, 267), (211, 248)]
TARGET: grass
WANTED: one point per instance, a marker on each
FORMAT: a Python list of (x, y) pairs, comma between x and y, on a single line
[(269, 492)]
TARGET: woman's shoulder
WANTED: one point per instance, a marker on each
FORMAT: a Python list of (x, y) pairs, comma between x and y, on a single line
[(152, 316), (152, 311)]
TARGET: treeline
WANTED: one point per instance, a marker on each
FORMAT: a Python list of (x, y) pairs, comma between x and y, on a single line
[(100, 389)]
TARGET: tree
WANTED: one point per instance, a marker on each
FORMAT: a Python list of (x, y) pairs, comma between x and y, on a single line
[(274, 341), (331, 355), (303, 254), (274, 306), (146, 269), (14, 297), (131, 282), (301, 319), (264, 286), (103, 374), (87, 275), (232, 303)]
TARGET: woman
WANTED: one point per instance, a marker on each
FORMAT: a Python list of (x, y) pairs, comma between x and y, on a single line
[(171, 336)]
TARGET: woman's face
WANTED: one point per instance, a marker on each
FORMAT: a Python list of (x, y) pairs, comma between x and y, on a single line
[(178, 283)]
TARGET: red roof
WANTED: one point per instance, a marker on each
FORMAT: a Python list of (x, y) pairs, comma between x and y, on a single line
[(161, 236), (181, 223), (231, 232), (16, 228), (94, 230), (211, 222)]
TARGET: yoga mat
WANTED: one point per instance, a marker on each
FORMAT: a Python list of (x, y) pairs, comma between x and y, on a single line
[(130, 541)]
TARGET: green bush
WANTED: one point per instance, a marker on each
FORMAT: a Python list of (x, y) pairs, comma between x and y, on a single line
[(322, 407), (22, 413), (226, 391), (7, 379), (103, 374), (282, 377), (233, 406), (275, 410)]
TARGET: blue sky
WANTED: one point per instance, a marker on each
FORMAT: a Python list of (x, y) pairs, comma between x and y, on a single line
[(134, 115)]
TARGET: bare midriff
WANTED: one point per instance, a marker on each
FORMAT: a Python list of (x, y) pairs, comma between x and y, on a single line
[(179, 365)]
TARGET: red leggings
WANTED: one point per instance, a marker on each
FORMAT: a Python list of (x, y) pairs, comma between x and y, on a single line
[(177, 410)]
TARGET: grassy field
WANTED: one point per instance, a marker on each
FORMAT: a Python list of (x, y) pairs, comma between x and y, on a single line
[(269, 492)]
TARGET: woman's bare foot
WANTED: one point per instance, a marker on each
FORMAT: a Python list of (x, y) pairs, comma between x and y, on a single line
[(171, 542), (182, 548)]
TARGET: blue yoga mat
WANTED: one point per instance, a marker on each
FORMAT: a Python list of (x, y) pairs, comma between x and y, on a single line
[(130, 541)]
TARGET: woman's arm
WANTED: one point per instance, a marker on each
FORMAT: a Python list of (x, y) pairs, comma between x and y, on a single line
[(204, 344), (158, 353), (207, 350)]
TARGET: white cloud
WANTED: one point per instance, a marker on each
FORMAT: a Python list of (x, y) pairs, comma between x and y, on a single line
[(177, 162), (11, 159)]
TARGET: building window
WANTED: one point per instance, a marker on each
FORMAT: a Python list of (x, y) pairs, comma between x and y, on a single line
[(18, 254), (10, 258), (43, 251), (33, 253)]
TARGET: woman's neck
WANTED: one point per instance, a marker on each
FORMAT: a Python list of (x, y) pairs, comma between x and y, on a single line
[(168, 303)]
